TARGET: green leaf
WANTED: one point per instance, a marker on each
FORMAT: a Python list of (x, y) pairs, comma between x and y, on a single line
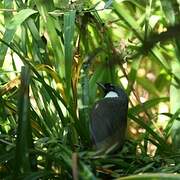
[(128, 19), (168, 129), (11, 28), (7, 37), (168, 11), (24, 136), (55, 41), (157, 176), (69, 26), (147, 105), (139, 121), (148, 85), (19, 18)]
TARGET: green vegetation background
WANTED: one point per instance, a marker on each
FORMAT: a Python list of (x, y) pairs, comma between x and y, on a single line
[(52, 53)]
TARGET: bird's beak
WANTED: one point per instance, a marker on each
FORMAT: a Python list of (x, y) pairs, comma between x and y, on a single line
[(101, 85)]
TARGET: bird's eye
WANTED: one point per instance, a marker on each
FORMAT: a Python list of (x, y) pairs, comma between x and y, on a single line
[(108, 85), (111, 87)]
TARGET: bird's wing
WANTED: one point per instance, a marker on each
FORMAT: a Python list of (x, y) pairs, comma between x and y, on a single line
[(107, 117)]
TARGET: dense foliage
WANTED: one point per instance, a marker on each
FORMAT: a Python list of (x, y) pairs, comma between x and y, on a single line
[(53, 52)]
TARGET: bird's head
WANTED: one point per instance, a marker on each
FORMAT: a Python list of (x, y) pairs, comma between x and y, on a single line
[(111, 90), (107, 87)]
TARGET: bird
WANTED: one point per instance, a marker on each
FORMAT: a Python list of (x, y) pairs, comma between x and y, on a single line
[(108, 119)]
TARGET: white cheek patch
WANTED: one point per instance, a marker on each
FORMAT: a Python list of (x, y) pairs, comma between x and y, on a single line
[(111, 94)]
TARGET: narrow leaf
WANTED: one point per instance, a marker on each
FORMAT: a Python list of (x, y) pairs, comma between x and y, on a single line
[(69, 26)]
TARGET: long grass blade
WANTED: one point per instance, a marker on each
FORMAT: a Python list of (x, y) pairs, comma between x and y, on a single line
[(69, 26), (24, 136)]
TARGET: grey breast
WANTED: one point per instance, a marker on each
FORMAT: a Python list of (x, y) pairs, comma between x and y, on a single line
[(109, 119)]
